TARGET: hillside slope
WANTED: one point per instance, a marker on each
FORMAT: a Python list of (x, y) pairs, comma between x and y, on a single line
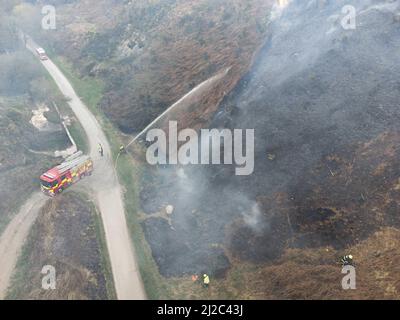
[(324, 105), (151, 53)]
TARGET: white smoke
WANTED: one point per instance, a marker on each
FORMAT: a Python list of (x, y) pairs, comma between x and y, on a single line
[(278, 9), (252, 217)]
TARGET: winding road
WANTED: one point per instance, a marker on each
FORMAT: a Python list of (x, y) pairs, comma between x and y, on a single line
[(107, 193)]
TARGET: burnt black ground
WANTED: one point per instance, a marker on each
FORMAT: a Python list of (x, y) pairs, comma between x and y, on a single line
[(315, 91)]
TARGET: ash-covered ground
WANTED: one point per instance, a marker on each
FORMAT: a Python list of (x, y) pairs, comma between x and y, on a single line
[(324, 103), (66, 235)]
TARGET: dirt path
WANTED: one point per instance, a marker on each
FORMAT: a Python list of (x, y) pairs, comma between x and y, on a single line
[(128, 283), (13, 237)]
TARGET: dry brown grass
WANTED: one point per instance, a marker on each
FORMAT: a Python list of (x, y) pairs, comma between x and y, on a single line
[(308, 274)]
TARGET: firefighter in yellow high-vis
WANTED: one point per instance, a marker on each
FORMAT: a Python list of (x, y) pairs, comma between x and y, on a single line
[(347, 260), (206, 280)]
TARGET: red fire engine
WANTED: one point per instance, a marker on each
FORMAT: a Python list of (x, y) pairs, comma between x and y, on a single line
[(67, 173)]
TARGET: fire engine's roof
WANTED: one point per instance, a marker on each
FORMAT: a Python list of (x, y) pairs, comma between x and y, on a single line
[(50, 175), (71, 162), (68, 164)]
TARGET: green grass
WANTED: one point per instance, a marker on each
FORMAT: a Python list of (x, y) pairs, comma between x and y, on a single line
[(52, 116), (79, 135)]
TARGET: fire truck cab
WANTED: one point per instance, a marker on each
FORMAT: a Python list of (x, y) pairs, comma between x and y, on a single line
[(59, 178)]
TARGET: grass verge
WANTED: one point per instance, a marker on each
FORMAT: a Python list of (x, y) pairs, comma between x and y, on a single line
[(79, 135)]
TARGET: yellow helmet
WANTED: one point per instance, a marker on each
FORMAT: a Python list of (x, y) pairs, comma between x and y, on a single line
[(350, 256)]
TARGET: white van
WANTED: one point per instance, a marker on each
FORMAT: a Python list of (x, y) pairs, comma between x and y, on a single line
[(42, 54)]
